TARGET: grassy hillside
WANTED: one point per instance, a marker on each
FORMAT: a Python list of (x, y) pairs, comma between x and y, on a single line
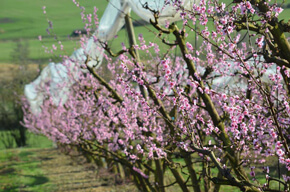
[(25, 20)]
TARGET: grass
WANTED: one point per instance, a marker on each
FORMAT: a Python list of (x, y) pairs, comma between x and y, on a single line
[(33, 140), (20, 170), (36, 51), (25, 20), (46, 169)]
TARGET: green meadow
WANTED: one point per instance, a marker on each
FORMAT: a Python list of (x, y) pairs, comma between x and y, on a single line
[(25, 21)]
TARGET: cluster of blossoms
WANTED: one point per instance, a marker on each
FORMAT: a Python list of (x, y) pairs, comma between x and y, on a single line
[(220, 100)]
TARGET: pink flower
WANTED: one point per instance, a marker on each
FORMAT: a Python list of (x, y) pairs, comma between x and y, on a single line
[(260, 41), (189, 46), (280, 152), (44, 11), (54, 47), (277, 11), (248, 5)]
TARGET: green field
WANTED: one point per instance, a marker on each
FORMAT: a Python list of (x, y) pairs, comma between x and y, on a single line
[(25, 20)]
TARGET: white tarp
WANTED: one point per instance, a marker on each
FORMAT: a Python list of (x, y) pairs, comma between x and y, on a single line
[(55, 78)]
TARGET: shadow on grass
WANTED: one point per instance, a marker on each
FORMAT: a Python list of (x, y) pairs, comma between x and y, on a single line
[(38, 180)]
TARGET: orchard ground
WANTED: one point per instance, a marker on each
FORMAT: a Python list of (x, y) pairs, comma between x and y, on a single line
[(47, 169)]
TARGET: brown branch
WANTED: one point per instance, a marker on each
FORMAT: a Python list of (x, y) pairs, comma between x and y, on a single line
[(105, 84), (108, 49), (243, 185), (274, 59), (169, 44)]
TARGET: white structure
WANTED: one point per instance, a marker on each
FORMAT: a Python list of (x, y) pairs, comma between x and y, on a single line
[(56, 74)]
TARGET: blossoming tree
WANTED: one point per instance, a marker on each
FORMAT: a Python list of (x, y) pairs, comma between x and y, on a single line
[(216, 114)]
